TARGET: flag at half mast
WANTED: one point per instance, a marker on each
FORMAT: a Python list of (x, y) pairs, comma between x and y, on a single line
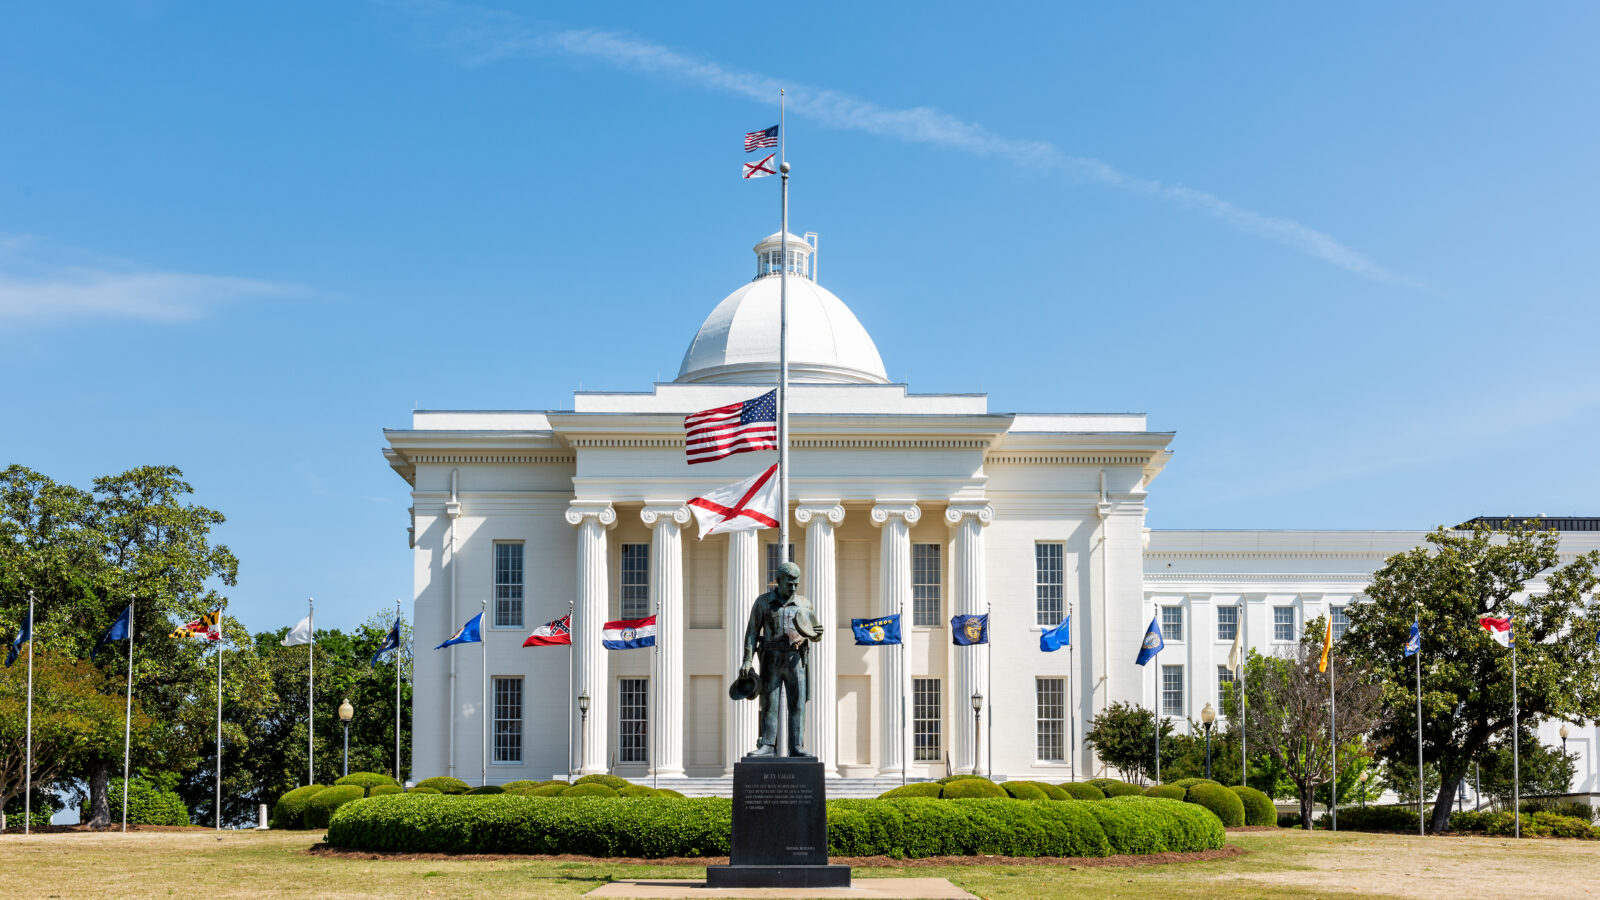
[(720, 432), (761, 168), (745, 505)]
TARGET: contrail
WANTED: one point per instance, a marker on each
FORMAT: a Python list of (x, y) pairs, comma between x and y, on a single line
[(479, 36)]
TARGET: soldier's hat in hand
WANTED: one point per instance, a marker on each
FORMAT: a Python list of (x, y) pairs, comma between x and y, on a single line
[(744, 687)]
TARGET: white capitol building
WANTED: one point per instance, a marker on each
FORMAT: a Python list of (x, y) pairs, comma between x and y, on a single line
[(927, 505)]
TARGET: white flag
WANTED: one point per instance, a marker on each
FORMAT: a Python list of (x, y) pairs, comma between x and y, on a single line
[(1236, 655), (300, 634), (742, 506)]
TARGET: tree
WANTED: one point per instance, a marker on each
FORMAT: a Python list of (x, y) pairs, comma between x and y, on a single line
[(1544, 771), (1123, 735), (1288, 714), (1466, 677)]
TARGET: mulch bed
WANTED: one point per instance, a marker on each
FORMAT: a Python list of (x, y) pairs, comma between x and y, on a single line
[(870, 862)]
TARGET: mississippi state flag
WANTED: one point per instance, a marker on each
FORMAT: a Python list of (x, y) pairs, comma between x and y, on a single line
[(742, 506), (551, 633), (1499, 629), (629, 634)]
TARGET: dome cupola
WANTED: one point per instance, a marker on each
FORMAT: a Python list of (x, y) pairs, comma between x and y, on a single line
[(738, 343)]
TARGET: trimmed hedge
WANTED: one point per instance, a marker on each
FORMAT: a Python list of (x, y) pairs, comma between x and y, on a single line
[(487, 789), (610, 781), (321, 806), (668, 792), (523, 786), (926, 789), (290, 807), (149, 803), (1223, 803), (971, 787), (1111, 787), (366, 781), (1050, 791), (381, 789), (549, 790), (949, 778), (422, 790), (1167, 791), (1081, 790), (1374, 818), (636, 790), (655, 827), (444, 784), (1187, 783), (1021, 790), (1258, 808), (589, 789)]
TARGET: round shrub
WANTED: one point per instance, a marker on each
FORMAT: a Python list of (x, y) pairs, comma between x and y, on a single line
[(422, 790), (925, 789), (366, 781), (610, 781), (321, 806), (636, 790), (487, 789), (290, 807), (668, 792), (523, 786), (591, 789), (971, 789), (1227, 805), (1111, 787), (1169, 791), (549, 790), (1051, 792), (444, 784), (1021, 790), (381, 789), (1159, 825), (1187, 783), (1082, 790), (949, 778), (151, 802), (1258, 808)]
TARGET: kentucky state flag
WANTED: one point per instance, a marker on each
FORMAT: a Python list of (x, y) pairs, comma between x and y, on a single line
[(876, 632), (1152, 643), (469, 633), (966, 630)]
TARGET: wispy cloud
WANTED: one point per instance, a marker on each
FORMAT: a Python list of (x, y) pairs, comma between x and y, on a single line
[(40, 284), (478, 36)]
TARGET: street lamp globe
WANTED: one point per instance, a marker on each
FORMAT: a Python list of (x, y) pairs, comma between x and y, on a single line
[(583, 702), (977, 701), (1208, 715), (346, 711), (1565, 731)]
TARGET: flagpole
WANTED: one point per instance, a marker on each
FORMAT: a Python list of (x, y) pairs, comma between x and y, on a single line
[(783, 341), (221, 645), (905, 762), (1516, 739), (988, 651), (1333, 740), (483, 607), (1072, 709), (570, 700), (1422, 785), (1244, 695), (127, 723), (27, 789), (397, 654)]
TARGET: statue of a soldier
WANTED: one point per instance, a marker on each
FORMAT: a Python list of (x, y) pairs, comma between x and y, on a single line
[(781, 630)]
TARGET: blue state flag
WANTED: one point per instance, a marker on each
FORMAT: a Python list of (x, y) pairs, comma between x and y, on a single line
[(22, 638), (876, 632), (117, 632), (1414, 642), (1055, 638), (391, 641), (466, 634), (1152, 643), (965, 630)]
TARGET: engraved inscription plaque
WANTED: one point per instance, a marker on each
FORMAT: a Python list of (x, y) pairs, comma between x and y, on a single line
[(780, 827)]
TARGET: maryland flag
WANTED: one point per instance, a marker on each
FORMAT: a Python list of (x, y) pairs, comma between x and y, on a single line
[(207, 627), (1327, 644)]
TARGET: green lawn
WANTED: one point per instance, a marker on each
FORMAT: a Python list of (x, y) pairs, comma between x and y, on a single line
[(1276, 864)]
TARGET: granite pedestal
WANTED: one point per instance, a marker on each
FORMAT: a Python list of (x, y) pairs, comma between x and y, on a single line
[(780, 828)]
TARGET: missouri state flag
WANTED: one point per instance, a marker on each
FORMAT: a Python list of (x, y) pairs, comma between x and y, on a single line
[(629, 634), (1499, 629), (876, 632), (965, 630)]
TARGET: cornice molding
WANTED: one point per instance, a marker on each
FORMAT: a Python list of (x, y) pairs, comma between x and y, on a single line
[(512, 458), (1220, 578), (899, 509), (1066, 459), (1267, 554)]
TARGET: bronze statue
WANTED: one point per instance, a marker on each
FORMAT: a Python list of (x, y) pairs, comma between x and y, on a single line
[(781, 630)]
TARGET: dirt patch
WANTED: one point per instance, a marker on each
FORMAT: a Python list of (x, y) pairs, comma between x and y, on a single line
[(867, 862)]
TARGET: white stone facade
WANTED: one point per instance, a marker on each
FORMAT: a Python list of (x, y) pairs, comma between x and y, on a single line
[(925, 505)]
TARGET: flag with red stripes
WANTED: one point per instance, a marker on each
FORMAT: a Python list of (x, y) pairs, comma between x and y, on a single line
[(745, 505), (735, 428), (551, 633)]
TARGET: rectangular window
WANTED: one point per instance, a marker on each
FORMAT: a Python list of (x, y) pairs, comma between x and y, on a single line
[(1049, 584), (1227, 623), (1225, 677), (926, 720), (1172, 623), (773, 563), (508, 720), (635, 581), (1283, 623), (1050, 719), (1172, 691), (926, 608), (1341, 622), (508, 585), (633, 720)]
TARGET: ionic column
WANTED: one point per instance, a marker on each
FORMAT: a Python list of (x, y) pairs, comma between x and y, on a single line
[(593, 520), (895, 518), (968, 597), (821, 587), (666, 596), (743, 586)]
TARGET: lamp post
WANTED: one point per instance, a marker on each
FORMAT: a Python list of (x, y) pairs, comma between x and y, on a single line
[(583, 729), (1208, 717), (346, 713), (1363, 779), (977, 729), (1564, 732)]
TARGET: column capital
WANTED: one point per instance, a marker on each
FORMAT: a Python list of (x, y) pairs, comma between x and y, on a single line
[(671, 510), (599, 510), (977, 509), (831, 510), (897, 509)]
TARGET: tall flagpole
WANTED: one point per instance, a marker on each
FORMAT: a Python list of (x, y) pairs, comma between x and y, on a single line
[(1333, 741), (1072, 712), (27, 788), (1158, 710), (398, 650), (570, 701), (1422, 785), (221, 645), (311, 693), (988, 650), (783, 341), (127, 723), (1244, 695), (1516, 738), (483, 638)]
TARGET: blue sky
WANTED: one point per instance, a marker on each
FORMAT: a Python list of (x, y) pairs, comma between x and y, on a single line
[(1346, 254)]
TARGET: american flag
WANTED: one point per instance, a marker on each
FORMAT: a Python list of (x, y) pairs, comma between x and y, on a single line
[(735, 428), (755, 140)]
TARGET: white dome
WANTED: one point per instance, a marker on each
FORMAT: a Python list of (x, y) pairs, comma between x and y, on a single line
[(739, 341)]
